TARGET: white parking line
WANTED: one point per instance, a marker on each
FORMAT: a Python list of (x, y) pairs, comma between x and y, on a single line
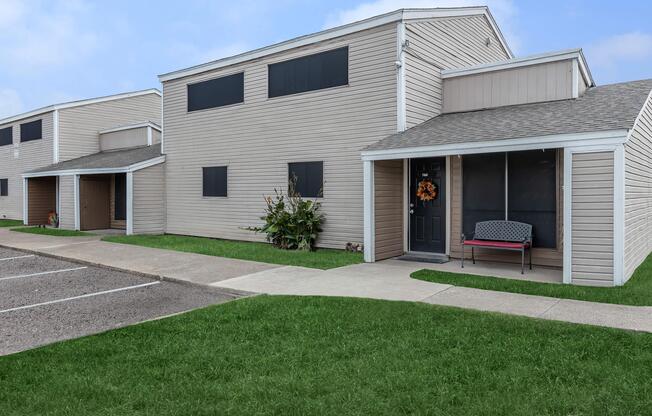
[(17, 257), (88, 295), (42, 273)]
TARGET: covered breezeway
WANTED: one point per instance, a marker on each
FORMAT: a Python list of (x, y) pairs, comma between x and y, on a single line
[(40, 199)]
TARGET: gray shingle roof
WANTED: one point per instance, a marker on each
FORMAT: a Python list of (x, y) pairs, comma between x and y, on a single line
[(608, 107), (112, 159)]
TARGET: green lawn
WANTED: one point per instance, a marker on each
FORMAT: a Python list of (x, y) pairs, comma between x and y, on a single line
[(637, 291), (339, 356), (10, 223), (52, 231), (266, 253)]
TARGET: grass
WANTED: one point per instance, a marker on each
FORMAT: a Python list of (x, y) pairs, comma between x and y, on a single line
[(52, 231), (266, 253), (339, 356), (10, 223), (637, 291)]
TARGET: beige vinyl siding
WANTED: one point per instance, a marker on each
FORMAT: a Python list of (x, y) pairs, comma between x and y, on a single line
[(19, 158), (79, 126), (552, 257), (388, 205), (536, 83), (123, 139), (448, 43), (638, 192), (592, 218), (149, 200), (156, 136), (67, 202), (257, 140)]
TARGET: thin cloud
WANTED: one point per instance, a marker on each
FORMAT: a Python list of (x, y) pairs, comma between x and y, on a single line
[(40, 35), (10, 102), (620, 49), (503, 10)]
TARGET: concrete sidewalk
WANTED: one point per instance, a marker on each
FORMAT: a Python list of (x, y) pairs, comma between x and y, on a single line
[(167, 264), (389, 279)]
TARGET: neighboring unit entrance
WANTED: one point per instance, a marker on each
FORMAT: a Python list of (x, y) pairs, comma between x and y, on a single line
[(428, 205), (95, 195)]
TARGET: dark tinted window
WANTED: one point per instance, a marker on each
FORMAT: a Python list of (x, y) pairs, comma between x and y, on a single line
[(4, 187), (120, 197), (483, 194), (309, 73), (532, 195), (215, 181), (6, 136), (216, 92), (31, 131), (309, 177)]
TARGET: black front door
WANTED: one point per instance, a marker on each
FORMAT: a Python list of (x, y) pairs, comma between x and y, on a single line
[(428, 205)]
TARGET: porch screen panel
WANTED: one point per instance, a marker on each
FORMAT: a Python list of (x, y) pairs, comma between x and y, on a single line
[(532, 197), (483, 194)]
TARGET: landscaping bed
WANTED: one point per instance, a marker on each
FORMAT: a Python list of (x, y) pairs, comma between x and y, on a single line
[(243, 250), (309, 355), (637, 291)]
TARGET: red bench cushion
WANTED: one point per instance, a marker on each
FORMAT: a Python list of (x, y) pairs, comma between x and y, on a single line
[(497, 244)]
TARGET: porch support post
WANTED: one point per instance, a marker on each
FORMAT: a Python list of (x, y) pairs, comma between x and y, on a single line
[(25, 202), (619, 215), (130, 203), (77, 202), (369, 220), (568, 206)]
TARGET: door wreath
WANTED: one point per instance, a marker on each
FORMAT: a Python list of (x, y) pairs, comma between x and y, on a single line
[(427, 190)]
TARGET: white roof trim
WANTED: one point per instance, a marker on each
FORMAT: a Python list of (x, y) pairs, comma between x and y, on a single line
[(79, 103), (648, 100), (98, 171), (525, 61), (610, 137), (132, 126), (395, 16)]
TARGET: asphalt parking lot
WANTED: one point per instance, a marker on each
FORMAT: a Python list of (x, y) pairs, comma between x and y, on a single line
[(44, 300)]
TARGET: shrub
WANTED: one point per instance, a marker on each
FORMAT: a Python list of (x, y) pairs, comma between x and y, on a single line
[(291, 223)]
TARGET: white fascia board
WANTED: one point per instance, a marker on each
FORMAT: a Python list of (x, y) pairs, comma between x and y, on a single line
[(611, 137), (575, 54), (328, 34), (648, 102), (79, 103), (131, 127), (99, 171)]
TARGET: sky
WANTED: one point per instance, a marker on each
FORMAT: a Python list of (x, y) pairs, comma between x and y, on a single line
[(54, 51)]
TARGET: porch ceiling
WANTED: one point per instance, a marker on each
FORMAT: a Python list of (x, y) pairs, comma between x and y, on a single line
[(600, 109)]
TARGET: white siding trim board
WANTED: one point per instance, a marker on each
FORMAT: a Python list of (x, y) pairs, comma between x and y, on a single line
[(130, 203)]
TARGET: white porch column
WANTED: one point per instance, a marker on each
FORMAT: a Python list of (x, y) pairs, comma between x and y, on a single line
[(130, 203), (25, 202), (369, 221), (77, 202)]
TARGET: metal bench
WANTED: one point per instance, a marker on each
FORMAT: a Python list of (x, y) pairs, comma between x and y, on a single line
[(501, 235)]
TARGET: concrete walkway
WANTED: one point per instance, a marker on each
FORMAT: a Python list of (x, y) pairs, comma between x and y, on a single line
[(388, 279), (167, 264)]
